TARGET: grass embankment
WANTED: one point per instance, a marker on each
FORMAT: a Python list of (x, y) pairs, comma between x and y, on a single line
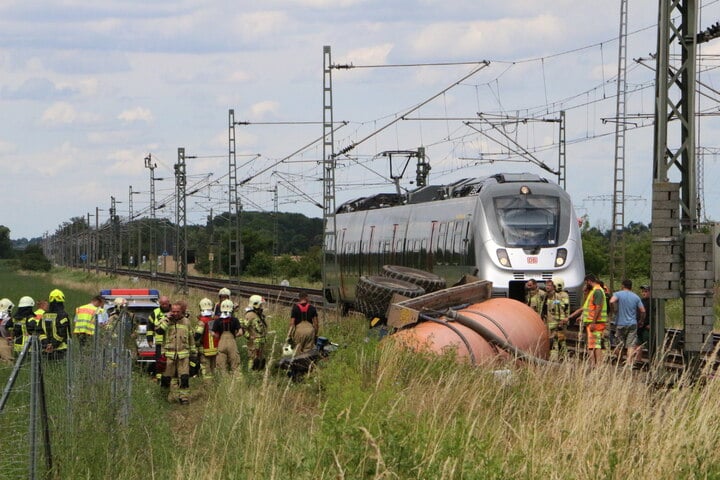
[(373, 411)]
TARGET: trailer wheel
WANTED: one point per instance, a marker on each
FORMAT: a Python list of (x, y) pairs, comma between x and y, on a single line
[(428, 281), (374, 292)]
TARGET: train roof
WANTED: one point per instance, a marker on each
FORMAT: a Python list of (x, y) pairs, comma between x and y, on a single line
[(462, 188)]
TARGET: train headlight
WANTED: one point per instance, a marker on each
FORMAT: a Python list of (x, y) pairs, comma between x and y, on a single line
[(561, 257), (524, 190), (503, 257)]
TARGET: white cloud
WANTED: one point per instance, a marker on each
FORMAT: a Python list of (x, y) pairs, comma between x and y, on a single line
[(65, 158), (264, 109), (239, 76), (375, 55), (243, 139), (7, 147), (328, 3), (137, 114), (475, 39), (262, 23), (126, 162), (60, 113)]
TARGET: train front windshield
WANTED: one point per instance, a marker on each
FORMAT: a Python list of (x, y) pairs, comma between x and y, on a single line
[(528, 220)]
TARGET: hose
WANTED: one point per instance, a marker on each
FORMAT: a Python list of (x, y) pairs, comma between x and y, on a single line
[(457, 332), (494, 339)]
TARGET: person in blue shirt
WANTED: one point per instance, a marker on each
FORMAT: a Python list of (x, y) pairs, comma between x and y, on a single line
[(629, 311)]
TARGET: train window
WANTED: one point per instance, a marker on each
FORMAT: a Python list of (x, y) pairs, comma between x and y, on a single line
[(528, 220)]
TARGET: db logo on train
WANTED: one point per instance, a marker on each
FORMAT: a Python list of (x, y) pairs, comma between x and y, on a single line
[(532, 260)]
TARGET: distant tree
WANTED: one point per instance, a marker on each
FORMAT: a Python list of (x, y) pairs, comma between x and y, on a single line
[(287, 267), (637, 253), (6, 246), (596, 248), (34, 259), (260, 265), (311, 264)]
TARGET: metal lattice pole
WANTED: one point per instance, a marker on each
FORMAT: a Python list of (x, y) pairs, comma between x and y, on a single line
[(235, 247), (617, 241), (679, 263), (181, 223), (329, 235), (153, 255)]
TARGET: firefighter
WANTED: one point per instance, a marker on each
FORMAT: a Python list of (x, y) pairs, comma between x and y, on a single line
[(255, 331), (177, 341), (86, 319), (55, 325), (534, 296), (303, 325), (6, 342), (555, 315), (153, 336), (42, 306), (594, 318), (114, 327), (223, 294), (205, 340), (23, 323), (225, 329)]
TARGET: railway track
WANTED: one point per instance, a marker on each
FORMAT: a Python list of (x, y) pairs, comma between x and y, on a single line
[(673, 358), (278, 294)]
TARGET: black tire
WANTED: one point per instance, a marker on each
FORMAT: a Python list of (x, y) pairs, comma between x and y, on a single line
[(428, 281), (374, 292)]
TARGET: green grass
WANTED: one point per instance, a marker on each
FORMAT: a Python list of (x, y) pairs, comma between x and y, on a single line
[(375, 411)]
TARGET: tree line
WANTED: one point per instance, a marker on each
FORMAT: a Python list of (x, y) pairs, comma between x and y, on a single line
[(288, 245)]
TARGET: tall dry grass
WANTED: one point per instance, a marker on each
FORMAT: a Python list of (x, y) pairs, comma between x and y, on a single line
[(383, 413), (375, 411)]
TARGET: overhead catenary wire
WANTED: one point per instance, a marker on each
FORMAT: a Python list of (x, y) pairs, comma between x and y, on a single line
[(420, 105)]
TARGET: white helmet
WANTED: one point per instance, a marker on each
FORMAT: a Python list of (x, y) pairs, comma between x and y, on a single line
[(206, 304), (6, 305), (288, 350), (256, 301), (559, 283), (26, 302), (224, 292), (227, 306), (120, 302)]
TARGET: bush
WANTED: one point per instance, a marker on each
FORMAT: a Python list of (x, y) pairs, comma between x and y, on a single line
[(311, 264), (34, 259), (261, 264)]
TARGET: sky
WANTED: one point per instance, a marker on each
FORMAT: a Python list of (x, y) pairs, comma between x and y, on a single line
[(89, 89)]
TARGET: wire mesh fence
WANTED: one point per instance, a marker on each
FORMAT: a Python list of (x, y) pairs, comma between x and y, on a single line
[(60, 401)]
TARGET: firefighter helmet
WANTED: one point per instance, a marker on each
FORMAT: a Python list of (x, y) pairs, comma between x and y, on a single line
[(56, 296), (256, 301), (120, 302), (26, 302), (224, 292), (206, 304), (6, 305), (227, 306), (559, 283)]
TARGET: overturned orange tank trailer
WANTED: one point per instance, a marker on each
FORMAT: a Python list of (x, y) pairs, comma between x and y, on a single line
[(483, 330)]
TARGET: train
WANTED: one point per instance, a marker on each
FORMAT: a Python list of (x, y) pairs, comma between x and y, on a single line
[(506, 228)]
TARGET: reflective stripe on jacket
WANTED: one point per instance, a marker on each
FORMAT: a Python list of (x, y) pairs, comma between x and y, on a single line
[(177, 338), (208, 342), (589, 308), (85, 319), (156, 317), (55, 330)]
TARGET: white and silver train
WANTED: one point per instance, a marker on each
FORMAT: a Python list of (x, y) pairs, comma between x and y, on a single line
[(505, 228)]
